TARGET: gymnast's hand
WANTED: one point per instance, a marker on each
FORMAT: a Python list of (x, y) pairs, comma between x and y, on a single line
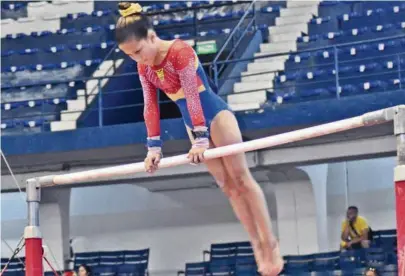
[(196, 153), (152, 159)]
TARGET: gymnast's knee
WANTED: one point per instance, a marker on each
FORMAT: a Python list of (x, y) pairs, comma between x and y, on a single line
[(242, 180), (236, 186), (227, 187)]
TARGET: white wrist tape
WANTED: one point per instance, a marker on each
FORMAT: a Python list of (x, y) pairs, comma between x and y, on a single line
[(201, 143), (154, 150)]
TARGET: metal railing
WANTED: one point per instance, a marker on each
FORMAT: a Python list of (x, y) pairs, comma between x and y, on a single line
[(251, 23)]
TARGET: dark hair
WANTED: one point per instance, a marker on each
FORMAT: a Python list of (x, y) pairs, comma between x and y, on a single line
[(373, 270), (87, 268), (354, 208), (132, 23)]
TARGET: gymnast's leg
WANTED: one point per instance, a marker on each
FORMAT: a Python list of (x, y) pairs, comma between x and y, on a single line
[(245, 193), (217, 169)]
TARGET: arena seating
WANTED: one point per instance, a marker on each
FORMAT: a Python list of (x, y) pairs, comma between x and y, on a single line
[(39, 67), (13, 9), (115, 263), (237, 259), (358, 63), (127, 262), (14, 268), (366, 38), (45, 73)]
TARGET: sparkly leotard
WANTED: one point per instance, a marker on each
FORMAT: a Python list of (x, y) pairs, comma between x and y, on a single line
[(182, 78)]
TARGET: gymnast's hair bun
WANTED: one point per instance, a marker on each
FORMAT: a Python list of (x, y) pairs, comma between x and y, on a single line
[(128, 9)]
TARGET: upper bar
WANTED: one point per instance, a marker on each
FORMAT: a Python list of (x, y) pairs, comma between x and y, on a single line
[(368, 119)]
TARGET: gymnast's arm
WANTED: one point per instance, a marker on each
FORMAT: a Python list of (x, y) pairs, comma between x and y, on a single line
[(184, 64), (151, 110)]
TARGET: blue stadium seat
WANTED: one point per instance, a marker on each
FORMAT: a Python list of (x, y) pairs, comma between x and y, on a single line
[(298, 264), (323, 273), (391, 268), (197, 269), (245, 265), (88, 258), (350, 260), (111, 258), (325, 261), (376, 257), (14, 273), (222, 266), (104, 270), (387, 238), (130, 270)]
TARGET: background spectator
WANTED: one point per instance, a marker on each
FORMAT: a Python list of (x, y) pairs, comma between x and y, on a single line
[(356, 233)]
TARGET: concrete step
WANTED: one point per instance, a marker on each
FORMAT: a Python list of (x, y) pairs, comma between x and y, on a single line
[(257, 78), (293, 19), (285, 37), (76, 105), (250, 97), (282, 58), (298, 3), (264, 66), (240, 87), (63, 125), (245, 106), (278, 47), (298, 11), (290, 28), (66, 115), (106, 69)]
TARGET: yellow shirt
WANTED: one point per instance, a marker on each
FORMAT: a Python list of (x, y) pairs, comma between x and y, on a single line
[(359, 225)]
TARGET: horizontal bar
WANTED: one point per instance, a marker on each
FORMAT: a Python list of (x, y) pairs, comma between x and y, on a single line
[(368, 119)]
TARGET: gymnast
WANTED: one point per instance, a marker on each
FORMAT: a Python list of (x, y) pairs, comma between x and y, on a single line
[(174, 67)]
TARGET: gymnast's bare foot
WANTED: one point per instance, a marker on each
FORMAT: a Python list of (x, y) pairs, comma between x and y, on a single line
[(258, 252), (274, 264)]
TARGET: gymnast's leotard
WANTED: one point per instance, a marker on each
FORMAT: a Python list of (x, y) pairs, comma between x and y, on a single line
[(182, 78)]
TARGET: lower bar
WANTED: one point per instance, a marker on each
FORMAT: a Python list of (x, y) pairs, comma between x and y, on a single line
[(33, 257), (400, 210)]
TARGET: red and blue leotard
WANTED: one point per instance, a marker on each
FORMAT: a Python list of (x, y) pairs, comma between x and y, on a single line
[(181, 76)]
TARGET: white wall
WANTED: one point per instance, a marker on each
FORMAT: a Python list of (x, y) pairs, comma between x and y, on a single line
[(177, 226), (370, 187)]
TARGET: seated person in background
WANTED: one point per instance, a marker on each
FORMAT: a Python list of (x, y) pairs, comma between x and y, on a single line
[(84, 270), (355, 231), (371, 272)]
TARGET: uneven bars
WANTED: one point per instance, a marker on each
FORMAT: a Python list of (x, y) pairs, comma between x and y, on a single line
[(367, 119)]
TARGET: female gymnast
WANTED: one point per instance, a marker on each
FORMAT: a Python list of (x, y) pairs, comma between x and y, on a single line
[(173, 67)]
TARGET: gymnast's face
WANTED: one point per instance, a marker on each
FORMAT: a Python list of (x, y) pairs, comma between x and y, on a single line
[(143, 51)]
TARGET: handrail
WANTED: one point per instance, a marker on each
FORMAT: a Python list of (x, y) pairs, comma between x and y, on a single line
[(236, 45), (104, 59), (230, 36)]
